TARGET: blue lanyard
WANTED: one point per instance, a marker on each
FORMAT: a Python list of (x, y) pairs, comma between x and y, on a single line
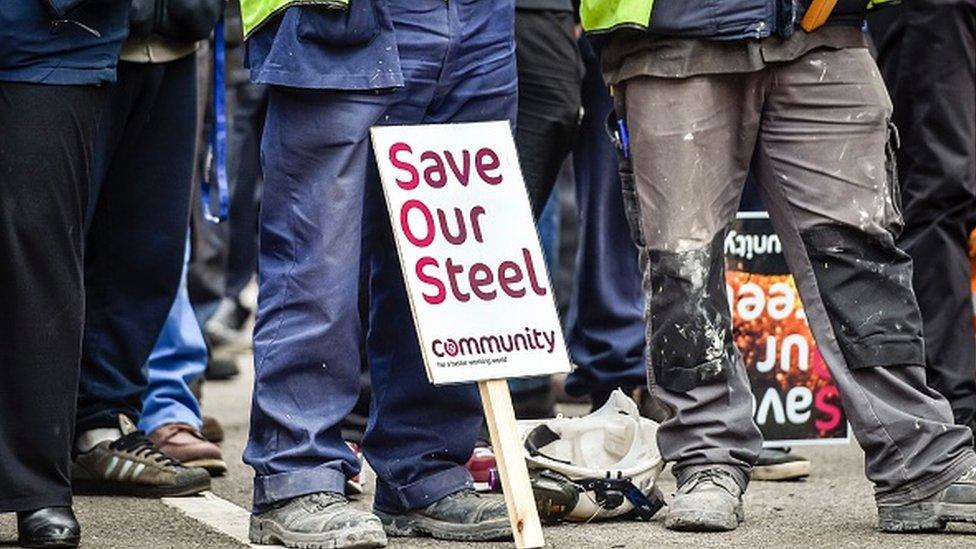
[(216, 165)]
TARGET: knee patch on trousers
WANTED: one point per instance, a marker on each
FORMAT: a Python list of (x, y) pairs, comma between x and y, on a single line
[(690, 339), (865, 283)]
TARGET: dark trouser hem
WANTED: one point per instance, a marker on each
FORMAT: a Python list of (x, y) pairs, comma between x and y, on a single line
[(106, 419), (30, 503), (930, 486), (270, 490), (424, 492)]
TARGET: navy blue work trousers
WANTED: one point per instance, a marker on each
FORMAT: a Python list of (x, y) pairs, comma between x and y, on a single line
[(323, 214), (605, 321)]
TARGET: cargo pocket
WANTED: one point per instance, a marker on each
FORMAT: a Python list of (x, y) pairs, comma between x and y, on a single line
[(330, 25), (625, 170), (865, 283), (894, 221)]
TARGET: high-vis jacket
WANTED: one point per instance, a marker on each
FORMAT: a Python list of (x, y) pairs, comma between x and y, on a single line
[(723, 20), (255, 12)]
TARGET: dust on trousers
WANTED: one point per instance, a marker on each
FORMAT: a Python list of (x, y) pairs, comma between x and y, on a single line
[(817, 132)]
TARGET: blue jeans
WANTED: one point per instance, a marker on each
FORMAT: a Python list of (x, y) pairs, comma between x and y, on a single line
[(322, 214), (605, 322), (179, 357)]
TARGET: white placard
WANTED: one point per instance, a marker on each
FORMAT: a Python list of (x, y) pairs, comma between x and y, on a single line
[(481, 297)]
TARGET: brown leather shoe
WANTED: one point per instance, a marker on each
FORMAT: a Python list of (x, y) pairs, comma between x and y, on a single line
[(185, 444)]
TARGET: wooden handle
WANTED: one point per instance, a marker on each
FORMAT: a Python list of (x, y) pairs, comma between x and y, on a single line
[(817, 14), (506, 443)]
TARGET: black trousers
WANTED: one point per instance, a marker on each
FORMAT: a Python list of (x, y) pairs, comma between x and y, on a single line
[(927, 52), (47, 138), (550, 72), (244, 175), (138, 221)]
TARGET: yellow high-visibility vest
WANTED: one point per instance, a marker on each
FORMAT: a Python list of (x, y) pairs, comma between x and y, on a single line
[(255, 12)]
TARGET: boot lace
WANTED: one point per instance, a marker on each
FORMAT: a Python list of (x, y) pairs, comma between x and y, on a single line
[(137, 444)]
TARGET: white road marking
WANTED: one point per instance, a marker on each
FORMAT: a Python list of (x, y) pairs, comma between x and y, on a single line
[(216, 513)]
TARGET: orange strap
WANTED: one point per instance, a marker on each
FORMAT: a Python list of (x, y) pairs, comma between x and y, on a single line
[(817, 14)]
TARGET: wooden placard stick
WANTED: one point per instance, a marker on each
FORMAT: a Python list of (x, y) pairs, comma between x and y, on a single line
[(505, 442), (817, 14)]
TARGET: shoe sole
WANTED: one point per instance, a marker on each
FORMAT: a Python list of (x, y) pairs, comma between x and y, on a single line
[(85, 487), (71, 541), (267, 532), (216, 467), (697, 520), (781, 471), (412, 525), (923, 517)]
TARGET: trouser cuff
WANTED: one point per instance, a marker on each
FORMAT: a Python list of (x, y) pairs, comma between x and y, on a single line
[(424, 492), (927, 487), (30, 503), (277, 488), (174, 412)]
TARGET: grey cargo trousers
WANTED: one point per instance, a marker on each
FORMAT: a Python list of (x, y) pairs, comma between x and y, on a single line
[(817, 133)]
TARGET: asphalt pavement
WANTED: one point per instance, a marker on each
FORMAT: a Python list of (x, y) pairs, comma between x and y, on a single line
[(831, 509)]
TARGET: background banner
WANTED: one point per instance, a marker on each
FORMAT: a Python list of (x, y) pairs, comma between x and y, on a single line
[(796, 399)]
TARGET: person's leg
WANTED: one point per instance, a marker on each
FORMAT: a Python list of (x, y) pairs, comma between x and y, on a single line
[(136, 240), (48, 134), (685, 205), (927, 54), (605, 323), (549, 74), (548, 63), (307, 337), (244, 174), (826, 170), (170, 411), (420, 436), (179, 357)]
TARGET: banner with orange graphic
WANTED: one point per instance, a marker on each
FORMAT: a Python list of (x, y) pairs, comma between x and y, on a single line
[(796, 400)]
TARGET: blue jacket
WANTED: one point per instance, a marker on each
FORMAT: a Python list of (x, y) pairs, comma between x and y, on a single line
[(59, 42), (724, 19)]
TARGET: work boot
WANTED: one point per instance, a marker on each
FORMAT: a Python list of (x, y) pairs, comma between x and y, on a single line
[(461, 516), (955, 503), (317, 521), (779, 464), (48, 527), (710, 500), (131, 465), (184, 443)]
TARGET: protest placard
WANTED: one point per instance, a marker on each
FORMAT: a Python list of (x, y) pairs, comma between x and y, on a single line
[(796, 398), (470, 253), (475, 275)]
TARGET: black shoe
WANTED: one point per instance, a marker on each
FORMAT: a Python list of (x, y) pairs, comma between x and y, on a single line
[(461, 516), (219, 369), (780, 464), (48, 527), (535, 404)]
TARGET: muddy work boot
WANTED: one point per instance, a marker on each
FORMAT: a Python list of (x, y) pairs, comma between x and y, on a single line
[(461, 516), (956, 503), (324, 520), (709, 501)]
